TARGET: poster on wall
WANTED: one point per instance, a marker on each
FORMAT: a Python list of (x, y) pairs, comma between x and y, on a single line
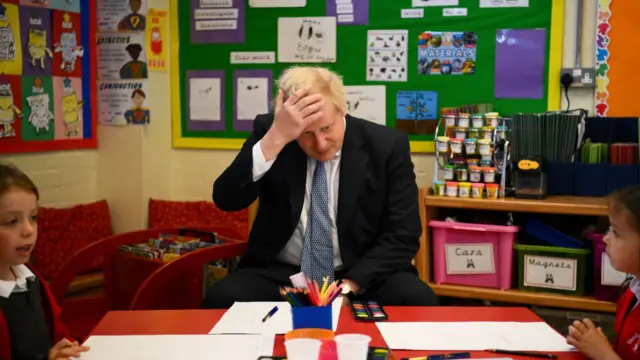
[(156, 40), (307, 39), (217, 21), (417, 111), (36, 29), (37, 121), (121, 56), (122, 15), (123, 103), (67, 108), (387, 55), (447, 53), (10, 105), (11, 44)]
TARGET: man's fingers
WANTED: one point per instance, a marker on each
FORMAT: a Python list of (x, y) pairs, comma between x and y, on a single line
[(312, 109), (589, 324), (307, 101), (73, 351), (62, 344), (295, 98), (312, 118), (279, 99), (580, 326)]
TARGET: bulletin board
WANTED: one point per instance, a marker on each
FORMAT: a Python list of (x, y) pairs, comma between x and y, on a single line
[(617, 73), (47, 102), (452, 91)]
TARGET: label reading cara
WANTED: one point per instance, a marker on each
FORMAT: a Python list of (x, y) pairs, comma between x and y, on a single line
[(469, 259)]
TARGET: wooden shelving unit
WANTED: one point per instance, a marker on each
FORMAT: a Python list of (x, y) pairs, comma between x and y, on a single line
[(567, 205)]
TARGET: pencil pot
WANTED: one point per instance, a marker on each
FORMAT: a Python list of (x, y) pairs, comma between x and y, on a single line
[(590, 179), (312, 317)]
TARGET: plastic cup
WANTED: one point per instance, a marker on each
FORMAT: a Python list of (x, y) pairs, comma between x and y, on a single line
[(352, 346), (303, 349)]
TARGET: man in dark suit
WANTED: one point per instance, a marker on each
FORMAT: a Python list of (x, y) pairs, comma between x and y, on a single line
[(338, 199)]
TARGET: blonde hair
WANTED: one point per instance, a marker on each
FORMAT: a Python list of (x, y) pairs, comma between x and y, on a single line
[(319, 80)]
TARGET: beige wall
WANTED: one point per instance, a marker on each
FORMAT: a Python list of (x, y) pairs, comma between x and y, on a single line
[(133, 164)]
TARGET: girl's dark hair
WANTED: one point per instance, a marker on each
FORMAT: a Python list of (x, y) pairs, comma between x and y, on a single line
[(627, 199), (12, 177)]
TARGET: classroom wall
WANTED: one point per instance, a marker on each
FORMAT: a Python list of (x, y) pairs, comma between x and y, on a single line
[(133, 164)]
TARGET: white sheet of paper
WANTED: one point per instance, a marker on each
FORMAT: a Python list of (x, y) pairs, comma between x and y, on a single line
[(417, 3), (277, 3), (179, 347), (504, 3), (204, 99), (412, 13), (367, 102), (246, 318), (307, 39), (387, 55), (252, 98), (530, 336)]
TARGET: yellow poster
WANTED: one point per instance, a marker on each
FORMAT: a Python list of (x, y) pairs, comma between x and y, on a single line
[(156, 38), (10, 44)]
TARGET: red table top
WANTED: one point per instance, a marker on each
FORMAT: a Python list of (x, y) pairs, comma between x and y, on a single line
[(181, 322)]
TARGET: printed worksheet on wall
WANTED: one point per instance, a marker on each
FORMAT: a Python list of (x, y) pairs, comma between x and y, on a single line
[(307, 39), (387, 55)]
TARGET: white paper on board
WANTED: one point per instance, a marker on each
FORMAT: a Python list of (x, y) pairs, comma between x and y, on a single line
[(387, 55), (204, 99), (420, 3), (504, 3), (252, 97), (412, 13), (277, 3), (367, 102), (307, 39)]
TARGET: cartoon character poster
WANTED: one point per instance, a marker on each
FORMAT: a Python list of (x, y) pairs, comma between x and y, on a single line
[(447, 53), (66, 5), (10, 106), (10, 40), (35, 27), (156, 40), (37, 121), (67, 44), (122, 15), (121, 56), (35, 3), (67, 109), (138, 113)]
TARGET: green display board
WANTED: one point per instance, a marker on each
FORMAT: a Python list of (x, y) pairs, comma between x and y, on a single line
[(453, 90)]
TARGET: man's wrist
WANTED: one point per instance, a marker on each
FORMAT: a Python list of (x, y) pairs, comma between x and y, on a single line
[(271, 145)]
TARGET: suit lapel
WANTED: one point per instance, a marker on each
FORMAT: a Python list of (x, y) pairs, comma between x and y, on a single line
[(296, 179), (353, 167)]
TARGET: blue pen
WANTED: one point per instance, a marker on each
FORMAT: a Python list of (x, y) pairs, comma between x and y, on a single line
[(463, 355), (270, 314)]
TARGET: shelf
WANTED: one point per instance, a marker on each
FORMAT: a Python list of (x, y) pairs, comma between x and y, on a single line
[(521, 297), (567, 205)]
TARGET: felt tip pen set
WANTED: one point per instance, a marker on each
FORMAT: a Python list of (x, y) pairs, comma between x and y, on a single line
[(368, 311), (166, 247), (313, 294)]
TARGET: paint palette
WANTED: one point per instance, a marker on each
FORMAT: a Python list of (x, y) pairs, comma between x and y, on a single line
[(379, 353), (368, 311)]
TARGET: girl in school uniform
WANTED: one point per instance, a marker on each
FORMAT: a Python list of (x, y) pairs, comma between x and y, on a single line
[(623, 248), (30, 327)]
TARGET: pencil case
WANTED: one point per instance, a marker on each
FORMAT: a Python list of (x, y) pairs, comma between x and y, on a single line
[(368, 311)]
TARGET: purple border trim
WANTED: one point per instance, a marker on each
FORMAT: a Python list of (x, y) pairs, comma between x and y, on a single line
[(200, 125), (246, 125)]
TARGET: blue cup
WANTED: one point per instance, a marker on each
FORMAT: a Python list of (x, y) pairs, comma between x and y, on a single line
[(312, 317)]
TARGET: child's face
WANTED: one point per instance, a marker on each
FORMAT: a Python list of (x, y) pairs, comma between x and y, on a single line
[(623, 242), (18, 226)]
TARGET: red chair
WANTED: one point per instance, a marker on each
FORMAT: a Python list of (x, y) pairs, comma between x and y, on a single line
[(179, 283), (81, 314)]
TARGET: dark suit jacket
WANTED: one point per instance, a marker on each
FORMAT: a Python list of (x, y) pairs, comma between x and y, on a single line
[(378, 221)]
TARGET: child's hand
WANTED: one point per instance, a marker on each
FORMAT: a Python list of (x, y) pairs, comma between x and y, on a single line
[(590, 340), (66, 349)]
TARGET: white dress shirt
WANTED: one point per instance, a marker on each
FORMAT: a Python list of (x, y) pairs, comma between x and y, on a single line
[(22, 274), (292, 252)]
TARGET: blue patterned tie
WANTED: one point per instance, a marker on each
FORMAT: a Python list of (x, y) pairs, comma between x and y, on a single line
[(317, 252)]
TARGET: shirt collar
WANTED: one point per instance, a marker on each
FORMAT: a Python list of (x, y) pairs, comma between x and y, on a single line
[(635, 287), (22, 274)]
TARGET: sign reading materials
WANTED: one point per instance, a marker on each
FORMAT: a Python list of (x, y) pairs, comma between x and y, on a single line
[(550, 272), (469, 259)]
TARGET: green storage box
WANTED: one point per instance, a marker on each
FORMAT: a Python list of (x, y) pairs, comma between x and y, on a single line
[(554, 269)]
